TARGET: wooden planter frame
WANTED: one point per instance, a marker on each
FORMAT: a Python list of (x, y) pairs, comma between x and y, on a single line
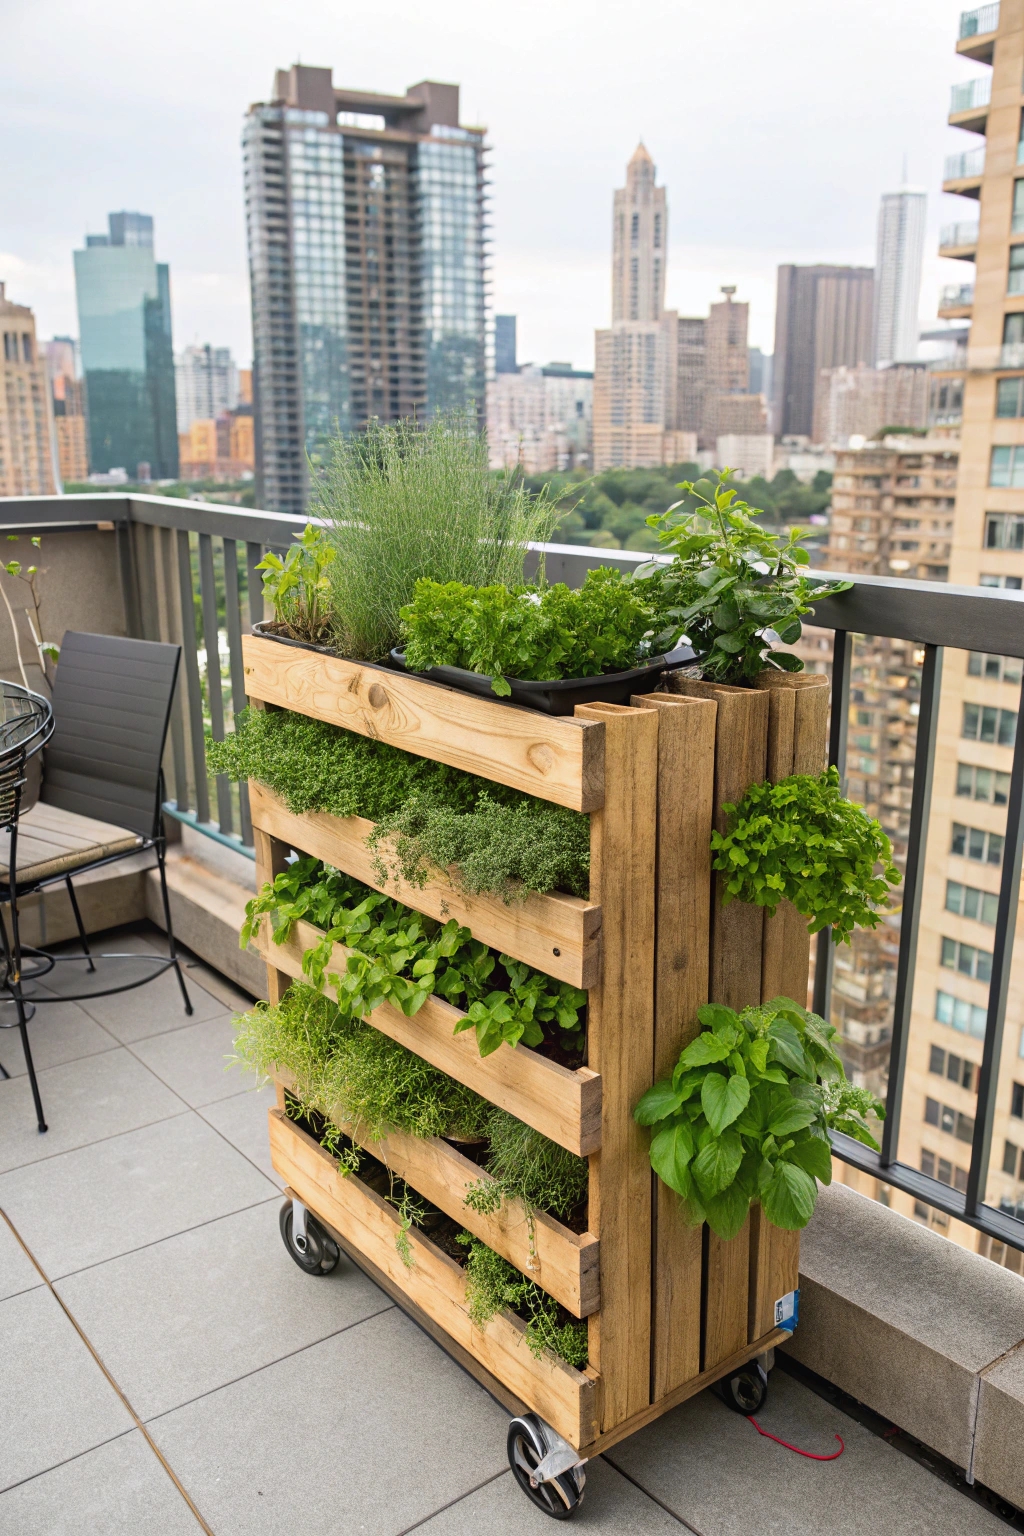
[(669, 1308)]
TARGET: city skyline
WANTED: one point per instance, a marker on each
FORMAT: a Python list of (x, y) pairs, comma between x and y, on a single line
[(551, 243)]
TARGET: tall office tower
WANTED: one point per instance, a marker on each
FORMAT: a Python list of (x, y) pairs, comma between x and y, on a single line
[(367, 263), (727, 374), (505, 344), (206, 383), (27, 453), (899, 252), (124, 319), (67, 393), (691, 372), (823, 318), (636, 361)]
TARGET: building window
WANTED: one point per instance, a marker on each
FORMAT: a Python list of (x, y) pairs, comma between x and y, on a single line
[(1010, 392), (10, 346), (973, 843), (983, 722), (952, 1067), (968, 901), (1004, 530), (1017, 221), (967, 959), (982, 784), (1017, 1100), (1006, 583), (999, 669), (1015, 281), (968, 1018), (1007, 467), (1011, 1155)]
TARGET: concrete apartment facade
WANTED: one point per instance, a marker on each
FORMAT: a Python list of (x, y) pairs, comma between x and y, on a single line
[(28, 464)]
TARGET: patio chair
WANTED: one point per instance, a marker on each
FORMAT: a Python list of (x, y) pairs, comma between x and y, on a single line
[(101, 800)]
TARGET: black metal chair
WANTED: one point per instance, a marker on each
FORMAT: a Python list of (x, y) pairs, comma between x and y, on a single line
[(101, 800)]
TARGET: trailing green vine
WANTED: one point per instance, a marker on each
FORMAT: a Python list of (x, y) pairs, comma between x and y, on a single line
[(498, 839), (802, 841), (747, 1112), (402, 957), (492, 1283)]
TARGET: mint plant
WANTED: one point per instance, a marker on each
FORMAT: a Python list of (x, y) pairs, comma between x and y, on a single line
[(298, 585), (802, 841), (733, 588), (746, 1115)]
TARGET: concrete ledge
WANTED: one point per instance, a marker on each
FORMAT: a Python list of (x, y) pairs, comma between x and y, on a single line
[(910, 1324)]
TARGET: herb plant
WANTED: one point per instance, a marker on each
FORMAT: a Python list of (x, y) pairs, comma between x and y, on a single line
[(298, 586), (538, 633), (733, 587), (498, 839), (405, 501), (526, 1166), (802, 841), (492, 1283), (402, 957), (46, 650), (747, 1112)]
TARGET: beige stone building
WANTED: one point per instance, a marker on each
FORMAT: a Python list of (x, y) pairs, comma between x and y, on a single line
[(860, 401), (27, 442)]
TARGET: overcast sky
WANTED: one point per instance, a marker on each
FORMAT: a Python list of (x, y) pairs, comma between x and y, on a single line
[(774, 127)]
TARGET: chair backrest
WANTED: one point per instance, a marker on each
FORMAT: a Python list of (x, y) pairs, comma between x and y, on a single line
[(111, 705)]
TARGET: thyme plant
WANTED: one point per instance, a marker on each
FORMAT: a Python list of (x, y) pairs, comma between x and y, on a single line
[(493, 1283)]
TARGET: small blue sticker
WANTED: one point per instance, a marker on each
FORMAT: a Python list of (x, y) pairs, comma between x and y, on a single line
[(787, 1311)]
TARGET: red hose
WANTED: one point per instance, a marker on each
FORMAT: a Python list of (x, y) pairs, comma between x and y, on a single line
[(811, 1455)]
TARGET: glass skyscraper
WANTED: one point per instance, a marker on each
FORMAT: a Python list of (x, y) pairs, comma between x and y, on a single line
[(366, 251), (124, 317)]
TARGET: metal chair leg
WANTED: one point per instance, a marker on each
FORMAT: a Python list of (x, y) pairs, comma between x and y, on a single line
[(170, 930), (4, 1074), (12, 954), (78, 921), (29, 1063)]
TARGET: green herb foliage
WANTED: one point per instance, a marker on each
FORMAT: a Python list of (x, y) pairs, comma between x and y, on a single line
[(526, 1166), (298, 587), (538, 633), (733, 587), (403, 958), (499, 840), (747, 1112), (492, 1283), (802, 841), (405, 501)]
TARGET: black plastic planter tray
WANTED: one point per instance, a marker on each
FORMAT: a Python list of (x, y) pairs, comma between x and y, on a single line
[(560, 696)]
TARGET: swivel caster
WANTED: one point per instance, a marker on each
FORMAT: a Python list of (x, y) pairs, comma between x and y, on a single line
[(306, 1241), (746, 1391), (534, 1448)]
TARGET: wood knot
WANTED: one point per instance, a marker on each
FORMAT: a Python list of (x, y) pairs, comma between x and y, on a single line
[(377, 697), (541, 757)]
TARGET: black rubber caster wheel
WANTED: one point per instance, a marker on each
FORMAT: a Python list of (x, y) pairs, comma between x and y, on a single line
[(527, 1448), (747, 1391), (320, 1254)]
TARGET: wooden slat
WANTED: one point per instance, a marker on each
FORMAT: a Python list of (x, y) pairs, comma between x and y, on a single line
[(564, 1263), (686, 757), (270, 861), (564, 1105), (561, 1395), (774, 1270), (620, 1045), (726, 1290), (555, 757), (557, 934)]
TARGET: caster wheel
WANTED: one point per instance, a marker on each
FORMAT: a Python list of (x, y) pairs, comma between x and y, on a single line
[(747, 1391), (319, 1255), (560, 1498)]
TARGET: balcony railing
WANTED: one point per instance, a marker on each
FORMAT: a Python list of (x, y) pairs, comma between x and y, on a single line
[(187, 574), (971, 162), (980, 22), (969, 94), (958, 236), (956, 296)]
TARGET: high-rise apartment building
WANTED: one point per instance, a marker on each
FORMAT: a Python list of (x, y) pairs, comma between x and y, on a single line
[(365, 217), (505, 344), (67, 392), (824, 317), (540, 419), (899, 253), (27, 457), (858, 402), (124, 317), (691, 372), (729, 407), (206, 383)]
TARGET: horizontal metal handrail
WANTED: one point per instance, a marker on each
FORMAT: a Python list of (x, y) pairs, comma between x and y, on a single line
[(954, 236), (979, 22), (968, 94), (969, 162)]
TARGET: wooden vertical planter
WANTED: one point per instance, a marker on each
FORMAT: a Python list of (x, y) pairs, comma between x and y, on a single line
[(668, 1308)]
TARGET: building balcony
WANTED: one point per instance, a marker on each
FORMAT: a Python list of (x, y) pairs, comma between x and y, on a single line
[(969, 103), (959, 241), (978, 30), (963, 173), (956, 301)]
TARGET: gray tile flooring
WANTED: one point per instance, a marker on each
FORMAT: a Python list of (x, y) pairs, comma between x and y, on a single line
[(235, 1388)]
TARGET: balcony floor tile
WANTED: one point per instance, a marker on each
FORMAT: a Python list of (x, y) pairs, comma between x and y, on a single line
[(119, 1489), (610, 1503), (120, 1194), (17, 1272), (59, 1032), (196, 1062), (242, 1120)]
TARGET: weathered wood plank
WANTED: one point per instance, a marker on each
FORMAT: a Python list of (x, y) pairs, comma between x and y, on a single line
[(727, 1280), (564, 1263), (620, 1045), (434, 1282), (561, 1104), (555, 757), (557, 934), (774, 1270), (270, 861), (686, 760)]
